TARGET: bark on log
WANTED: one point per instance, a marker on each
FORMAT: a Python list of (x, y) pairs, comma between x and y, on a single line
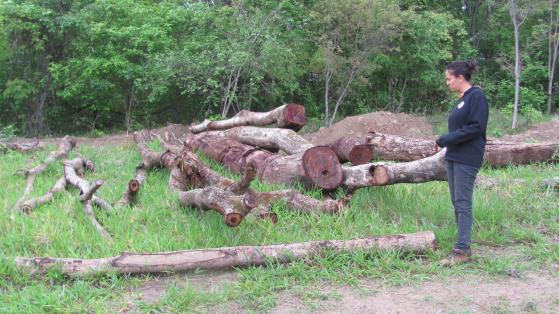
[(129, 195), (353, 149), (300, 202), (374, 174), (289, 116), (314, 167), (64, 147), (225, 257)]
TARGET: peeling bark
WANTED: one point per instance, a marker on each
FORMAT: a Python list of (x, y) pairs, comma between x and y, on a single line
[(225, 257), (289, 116)]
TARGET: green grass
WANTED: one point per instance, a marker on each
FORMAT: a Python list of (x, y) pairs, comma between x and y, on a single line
[(523, 217)]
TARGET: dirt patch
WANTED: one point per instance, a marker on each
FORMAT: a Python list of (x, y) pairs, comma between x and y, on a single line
[(381, 121), (156, 288), (535, 292), (543, 132)]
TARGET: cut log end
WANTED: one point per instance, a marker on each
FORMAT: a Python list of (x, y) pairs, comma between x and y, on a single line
[(134, 186), (322, 167), (250, 201), (361, 154), (294, 117), (233, 219), (380, 175)]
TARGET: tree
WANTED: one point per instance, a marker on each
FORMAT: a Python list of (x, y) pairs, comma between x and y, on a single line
[(553, 50), (349, 33), (518, 15)]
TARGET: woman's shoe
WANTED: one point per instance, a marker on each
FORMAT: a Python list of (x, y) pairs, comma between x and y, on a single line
[(456, 256)]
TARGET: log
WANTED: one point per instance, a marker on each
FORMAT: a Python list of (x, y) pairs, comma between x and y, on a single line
[(64, 148), (289, 116), (317, 166), (233, 207), (225, 257), (199, 175), (28, 205), (498, 154), (129, 195), (353, 149), (375, 174), (87, 190), (399, 148), (25, 147)]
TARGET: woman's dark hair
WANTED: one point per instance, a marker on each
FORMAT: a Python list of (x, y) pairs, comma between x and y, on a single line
[(464, 68)]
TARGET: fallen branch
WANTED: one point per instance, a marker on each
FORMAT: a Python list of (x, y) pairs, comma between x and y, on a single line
[(25, 147), (225, 257), (290, 116), (87, 190), (64, 148)]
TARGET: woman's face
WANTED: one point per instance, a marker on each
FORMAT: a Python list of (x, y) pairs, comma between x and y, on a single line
[(454, 83)]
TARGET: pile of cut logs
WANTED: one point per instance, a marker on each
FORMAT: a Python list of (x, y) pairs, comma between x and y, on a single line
[(265, 146)]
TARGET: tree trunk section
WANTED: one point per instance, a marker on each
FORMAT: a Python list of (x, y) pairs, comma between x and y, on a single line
[(498, 154), (225, 257), (315, 167), (289, 116), (374, 174), (399, 148)]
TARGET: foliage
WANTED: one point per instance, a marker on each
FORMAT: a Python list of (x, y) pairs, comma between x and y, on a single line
[(114, 65)]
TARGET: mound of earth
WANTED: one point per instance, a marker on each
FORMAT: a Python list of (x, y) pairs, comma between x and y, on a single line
[(380, 121), (543, 132)]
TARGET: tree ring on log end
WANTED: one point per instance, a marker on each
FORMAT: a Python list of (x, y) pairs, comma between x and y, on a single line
[(134, 185), (361, 154), (294, 117), (233, 219), (322, 167), (381, 175)]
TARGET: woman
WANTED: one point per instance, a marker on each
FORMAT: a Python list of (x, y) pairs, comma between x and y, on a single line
[(465, 145)]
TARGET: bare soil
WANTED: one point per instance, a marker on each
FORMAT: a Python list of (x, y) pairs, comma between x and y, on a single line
[(543, 132), (380, 121)]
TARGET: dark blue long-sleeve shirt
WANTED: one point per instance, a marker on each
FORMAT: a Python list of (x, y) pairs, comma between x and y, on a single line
[(467, 123)]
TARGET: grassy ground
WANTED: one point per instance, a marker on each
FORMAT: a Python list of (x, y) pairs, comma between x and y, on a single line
[(523, 216)]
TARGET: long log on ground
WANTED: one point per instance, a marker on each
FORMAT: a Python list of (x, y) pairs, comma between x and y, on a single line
[(87, 190), (317, 166), (497, 153), (374, 174), (288, 116), (64, 148), (226, 257)]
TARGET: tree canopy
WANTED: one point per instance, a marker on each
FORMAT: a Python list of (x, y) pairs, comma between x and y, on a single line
[(86, 65)]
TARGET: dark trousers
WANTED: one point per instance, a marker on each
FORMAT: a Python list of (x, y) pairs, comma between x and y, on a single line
[(461, 178)]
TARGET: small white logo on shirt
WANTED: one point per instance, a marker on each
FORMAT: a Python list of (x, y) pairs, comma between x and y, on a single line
[(460, 105)]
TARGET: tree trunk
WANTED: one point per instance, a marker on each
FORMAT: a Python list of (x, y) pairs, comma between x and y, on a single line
[(225, 257), (290, 116), (317, 166)]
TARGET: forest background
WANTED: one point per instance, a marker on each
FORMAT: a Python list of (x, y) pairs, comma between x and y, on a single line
[(93, 67)]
